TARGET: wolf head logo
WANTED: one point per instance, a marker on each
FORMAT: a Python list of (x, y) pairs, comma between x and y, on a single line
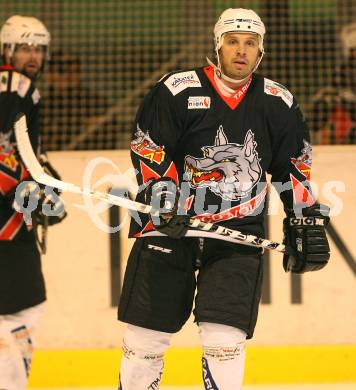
[(229, 170)]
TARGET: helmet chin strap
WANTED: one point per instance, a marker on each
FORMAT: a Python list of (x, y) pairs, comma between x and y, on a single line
[(221, 75)]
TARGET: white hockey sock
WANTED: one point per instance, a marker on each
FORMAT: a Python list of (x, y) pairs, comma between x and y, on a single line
[(223, 356), (13, 373), (142, 360), (16, 336)]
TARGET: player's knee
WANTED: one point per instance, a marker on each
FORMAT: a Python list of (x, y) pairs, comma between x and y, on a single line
[(146, 344), (222, 342)]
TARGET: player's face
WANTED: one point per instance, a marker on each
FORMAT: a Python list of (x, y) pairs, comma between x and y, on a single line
[(28, 59), (239, 54)]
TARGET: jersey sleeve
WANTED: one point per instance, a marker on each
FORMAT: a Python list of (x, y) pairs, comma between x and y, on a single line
[(291, 153), (17, 94), (157, 128)]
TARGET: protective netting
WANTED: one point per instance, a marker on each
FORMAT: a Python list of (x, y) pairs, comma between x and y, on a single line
[(107, 54)]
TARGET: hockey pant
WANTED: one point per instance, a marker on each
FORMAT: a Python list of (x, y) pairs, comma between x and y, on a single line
[(223, 357), (16, 347)]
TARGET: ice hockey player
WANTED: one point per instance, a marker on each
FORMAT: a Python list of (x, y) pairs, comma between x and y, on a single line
[(24, 45), (212, 134)]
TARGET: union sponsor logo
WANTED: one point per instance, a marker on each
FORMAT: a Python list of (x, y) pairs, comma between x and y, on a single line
[(199, 102)]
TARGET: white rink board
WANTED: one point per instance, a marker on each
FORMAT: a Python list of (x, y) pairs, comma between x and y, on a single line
[(77, 268)]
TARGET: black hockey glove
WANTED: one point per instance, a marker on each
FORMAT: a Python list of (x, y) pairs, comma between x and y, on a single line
[(306, 236), (163, 196), (24, 199), (50, 209), (43, 206)]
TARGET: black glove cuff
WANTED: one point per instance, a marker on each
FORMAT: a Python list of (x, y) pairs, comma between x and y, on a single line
[(304, 234), (316, 210)]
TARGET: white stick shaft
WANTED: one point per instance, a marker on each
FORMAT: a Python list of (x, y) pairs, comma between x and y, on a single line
[(37, 172)]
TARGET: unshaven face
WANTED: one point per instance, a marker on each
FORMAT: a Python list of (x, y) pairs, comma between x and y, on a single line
[(28, 59), (239, 54)]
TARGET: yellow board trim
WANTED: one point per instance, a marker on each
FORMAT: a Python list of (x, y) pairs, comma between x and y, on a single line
[(264, 365)]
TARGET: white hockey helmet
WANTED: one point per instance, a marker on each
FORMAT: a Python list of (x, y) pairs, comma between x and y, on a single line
[(348, 38), (23, 30), (238, 20)]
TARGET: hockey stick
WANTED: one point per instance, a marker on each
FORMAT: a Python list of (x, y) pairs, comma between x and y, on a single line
[(39, 175)]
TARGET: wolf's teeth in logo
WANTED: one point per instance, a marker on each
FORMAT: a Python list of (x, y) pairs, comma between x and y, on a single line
[(229, 170), (197, 177)]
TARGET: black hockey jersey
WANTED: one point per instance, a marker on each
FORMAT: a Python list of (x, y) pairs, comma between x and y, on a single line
[(220, 148), (17, 94), (21, 279)]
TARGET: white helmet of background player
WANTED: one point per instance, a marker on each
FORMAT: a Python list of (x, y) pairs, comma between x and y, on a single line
[(238, 20), (348, 38), (19, 30)]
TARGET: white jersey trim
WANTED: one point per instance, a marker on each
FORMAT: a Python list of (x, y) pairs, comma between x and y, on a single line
[(275, 89)]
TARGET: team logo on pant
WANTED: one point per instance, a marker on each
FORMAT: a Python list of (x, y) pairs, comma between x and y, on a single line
[(229, 170)]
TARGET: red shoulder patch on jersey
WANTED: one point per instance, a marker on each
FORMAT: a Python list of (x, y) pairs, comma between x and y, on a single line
[(301, 194), (143, 146), (303, 162)]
